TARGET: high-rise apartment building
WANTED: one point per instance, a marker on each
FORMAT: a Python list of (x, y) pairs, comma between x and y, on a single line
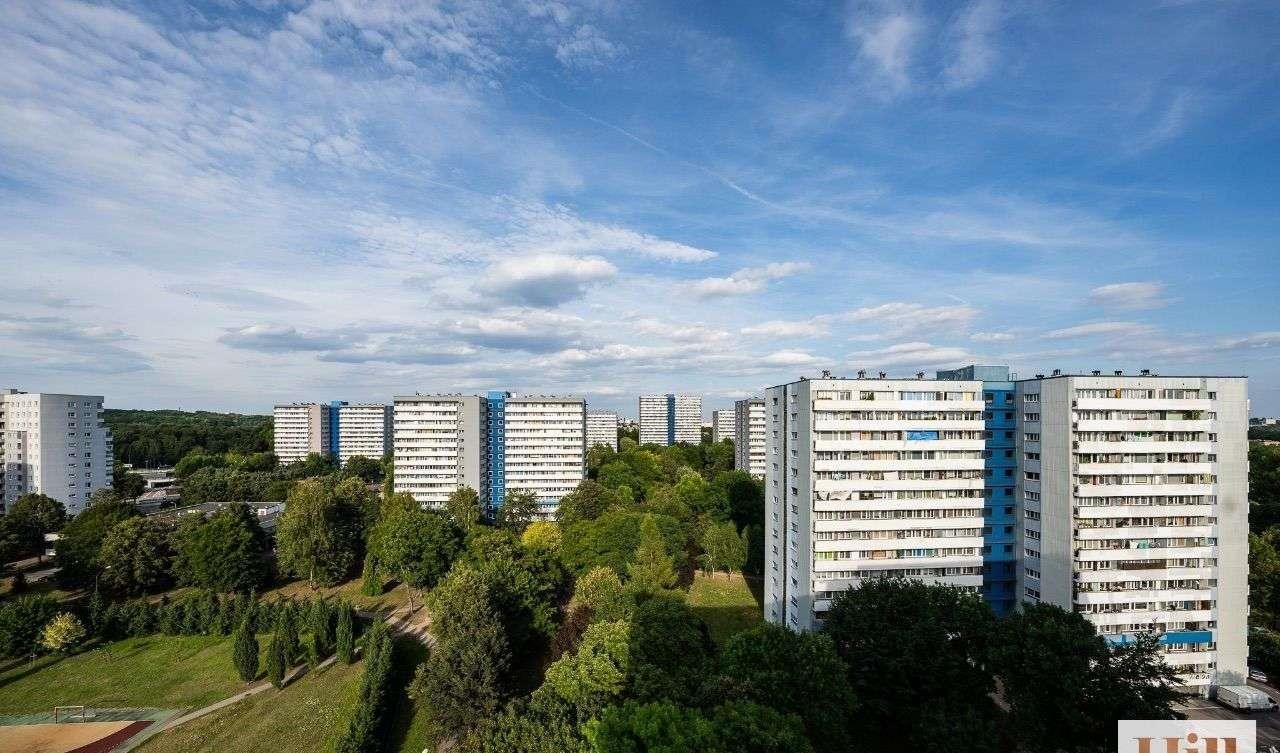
[(440, 445), (300, 429), (56, 445), (668, 419), (539, 446), (363, 429), (494, 444), (1134, 511), (722, 425), (1000, 469), (749, 436), (602, 428), (869, 478)]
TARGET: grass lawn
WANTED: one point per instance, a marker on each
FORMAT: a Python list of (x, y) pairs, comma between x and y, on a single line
[(308, 715), (725, 603), (350, 590), (169, 672)]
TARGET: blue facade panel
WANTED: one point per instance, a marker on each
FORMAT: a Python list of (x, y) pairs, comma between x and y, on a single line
[(334, 405), (671, 419), (497, 448), (1000, 468), (1180, 636)]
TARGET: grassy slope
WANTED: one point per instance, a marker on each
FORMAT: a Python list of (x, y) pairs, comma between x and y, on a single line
[(158, 671), (308, 715), (725, 603)]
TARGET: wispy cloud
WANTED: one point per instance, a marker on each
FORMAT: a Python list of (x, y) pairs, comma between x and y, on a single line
[(747, 280), (886, 35), (1130, 295), (973, 49)]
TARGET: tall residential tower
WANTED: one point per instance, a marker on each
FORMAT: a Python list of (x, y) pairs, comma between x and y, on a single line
[(749, 436), (668, 419), (56, 445)]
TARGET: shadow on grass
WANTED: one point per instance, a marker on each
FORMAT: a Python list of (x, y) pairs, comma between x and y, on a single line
[(38, 665), (406, 654)]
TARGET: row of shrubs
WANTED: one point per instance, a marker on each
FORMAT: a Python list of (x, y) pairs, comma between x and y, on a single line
[(207, 613), (365, 731)]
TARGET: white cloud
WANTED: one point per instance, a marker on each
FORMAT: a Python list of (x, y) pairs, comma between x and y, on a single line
[(587, 48), (781, 328), (279, 338), (1093, 329), (900, 319), (746, 280), (556, 230), (545, 280), (991, 337), (887, 37), (912, 354), (972, 50), (1130, 295)]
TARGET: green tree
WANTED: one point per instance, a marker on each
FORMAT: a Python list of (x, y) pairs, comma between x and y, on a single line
[(346, 637), (318, 534), (723, 548), (463, 508), (519, 508), (596, 674), (745, 495), (320, 626), (82, 538), (792, 673), (670, 650), (365, 730), (416, 547), (543, 535), (588, 501), (20, 622), (653, 570), (465, 678), (135, 556), (602, 593), (612, 539), (31, 516), (226, 553), (277, 658), (1264, 577), (917, 665), (126, 483), (367, 470), (245, 651), (655, 727), (63, 633), (1066, 687), (1264, 486), (745, 727)]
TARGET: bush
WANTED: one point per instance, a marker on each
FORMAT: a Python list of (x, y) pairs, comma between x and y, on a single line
[(245, 652), (277, 659), (20, 624), (63, 633), (346, 634), (364, 732)]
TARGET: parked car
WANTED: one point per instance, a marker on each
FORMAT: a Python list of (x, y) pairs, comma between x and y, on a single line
[(1257, 675)]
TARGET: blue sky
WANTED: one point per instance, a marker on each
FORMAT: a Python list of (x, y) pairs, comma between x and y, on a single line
[(224, 206)]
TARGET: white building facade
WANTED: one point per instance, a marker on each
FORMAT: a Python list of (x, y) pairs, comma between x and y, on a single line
[(543, 447), (439, 446), (56, 445), (722, 426), (671, 418), (1133, 511), (602, 429), (300, 429), (363, 430), (749, 436), (869, 478)]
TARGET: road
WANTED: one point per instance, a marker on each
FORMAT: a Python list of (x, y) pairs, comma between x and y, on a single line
[(1268, 721)]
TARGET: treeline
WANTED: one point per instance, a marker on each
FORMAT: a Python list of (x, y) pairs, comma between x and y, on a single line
[(159, 438)]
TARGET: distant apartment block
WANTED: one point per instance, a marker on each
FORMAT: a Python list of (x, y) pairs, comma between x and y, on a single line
[(722, 425), (300, 429), (494, 444), (440, 445), (869, 478), (602, 428), (749, 436), (539, 446), (668, 419), (55, 445), (1134, 511), (1264, 421), (363, 429)]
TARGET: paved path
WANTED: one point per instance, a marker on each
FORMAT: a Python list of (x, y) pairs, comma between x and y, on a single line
[(399, 621), (156, 729)]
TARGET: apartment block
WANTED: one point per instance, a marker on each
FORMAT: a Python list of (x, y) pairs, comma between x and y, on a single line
[(440, 445), (1000, 469), (300, 429), (722, 426), (1134, 511), (869, 478), (749, 436), (669, 419), (602, 428), (53, 444), (363, 429), (538, 443)]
